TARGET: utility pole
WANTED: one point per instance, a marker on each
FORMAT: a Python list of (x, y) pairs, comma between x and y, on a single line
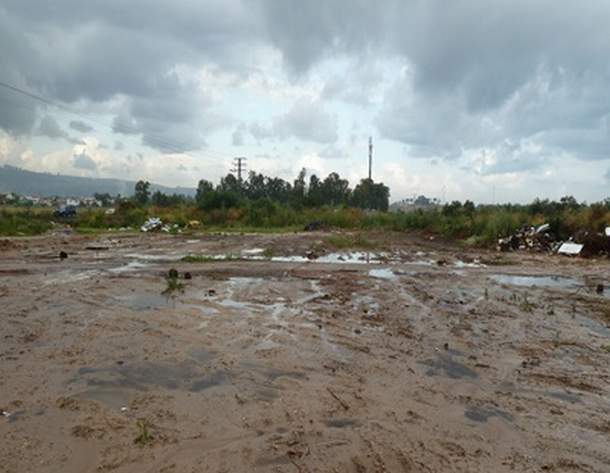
[(370, 157), (239, 165)]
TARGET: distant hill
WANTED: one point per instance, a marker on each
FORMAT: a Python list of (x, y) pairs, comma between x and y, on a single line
[(41, 184)]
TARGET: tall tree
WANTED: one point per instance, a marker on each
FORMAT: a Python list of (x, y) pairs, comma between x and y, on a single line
[(142, 192)]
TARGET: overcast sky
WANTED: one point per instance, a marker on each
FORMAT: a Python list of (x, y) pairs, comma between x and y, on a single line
[(504, 100)]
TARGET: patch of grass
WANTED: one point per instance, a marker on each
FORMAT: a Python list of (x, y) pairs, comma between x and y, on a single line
[(19, 222), (344, 242), (198, 259), (606, 348), (173, 285), (526, 306), (268, 253), (144, 436)]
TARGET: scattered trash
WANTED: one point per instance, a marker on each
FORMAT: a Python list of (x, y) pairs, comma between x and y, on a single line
[(109, 211), (63, 255), (541, 238), (5, 413), (152, 224), (175, 228), (529, 238), (569, 248), (124, 409)]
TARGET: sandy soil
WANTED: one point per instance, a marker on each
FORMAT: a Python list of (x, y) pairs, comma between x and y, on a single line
[(426, 358)]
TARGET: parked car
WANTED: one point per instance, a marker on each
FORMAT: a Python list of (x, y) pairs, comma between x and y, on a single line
[(65, 211)]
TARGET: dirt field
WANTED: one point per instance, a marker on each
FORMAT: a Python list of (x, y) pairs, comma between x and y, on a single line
[(417, 356)]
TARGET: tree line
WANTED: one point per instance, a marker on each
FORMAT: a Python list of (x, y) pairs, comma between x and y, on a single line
[(231, 192)]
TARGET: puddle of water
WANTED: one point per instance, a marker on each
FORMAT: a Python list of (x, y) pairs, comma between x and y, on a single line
[(70, 276), (214, 379), (144, 301), (482, 414), (565, 396), (559, 282), (185, 375), (129, 267), (382, 273), (153, 257), (554, 282), (450, 368), (594, 326), (252, 251), (463, 264), (115, 385), (340, 423), (115, 398), (356, 257)]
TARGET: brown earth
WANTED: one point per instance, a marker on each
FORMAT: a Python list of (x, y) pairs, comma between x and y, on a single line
[(428, 358)]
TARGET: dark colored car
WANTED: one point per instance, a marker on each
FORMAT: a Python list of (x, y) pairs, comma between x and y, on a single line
[(65, 211)]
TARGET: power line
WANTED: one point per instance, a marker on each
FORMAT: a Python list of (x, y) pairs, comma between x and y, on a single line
[(169, 146)]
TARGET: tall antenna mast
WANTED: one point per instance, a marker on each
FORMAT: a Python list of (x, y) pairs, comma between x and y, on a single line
[(370, 156), (239, 165)]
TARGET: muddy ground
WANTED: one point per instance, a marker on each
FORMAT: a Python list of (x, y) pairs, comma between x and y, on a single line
[(413, 356)]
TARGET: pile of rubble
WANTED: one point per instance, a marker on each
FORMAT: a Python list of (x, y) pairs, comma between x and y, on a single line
[(530, 238), (541, 239), (154, 224)]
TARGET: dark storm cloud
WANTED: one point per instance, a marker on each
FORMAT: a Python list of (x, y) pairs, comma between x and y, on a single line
[(480, 73), (109, 49), (81, 126), (475, 73), (49, 127)]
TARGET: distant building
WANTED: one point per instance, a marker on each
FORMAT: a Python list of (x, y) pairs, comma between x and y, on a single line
[(415, 203)]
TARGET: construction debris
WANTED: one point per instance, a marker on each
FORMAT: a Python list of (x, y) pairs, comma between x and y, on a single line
[(152, 224), (529, 238), (569, 248), (542, 239)]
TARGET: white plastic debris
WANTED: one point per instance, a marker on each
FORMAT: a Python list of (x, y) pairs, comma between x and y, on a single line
[(569, 248), (543, 228), (608, 231), (153, 223), (124, 409), (109, 212)]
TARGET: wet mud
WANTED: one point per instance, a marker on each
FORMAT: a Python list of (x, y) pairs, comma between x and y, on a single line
[(416, 355)]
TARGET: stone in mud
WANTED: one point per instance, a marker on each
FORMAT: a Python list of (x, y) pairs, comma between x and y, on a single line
[(188, 275), (63, 255)]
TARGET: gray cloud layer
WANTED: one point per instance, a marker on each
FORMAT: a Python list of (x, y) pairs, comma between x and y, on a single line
[(476, 74)]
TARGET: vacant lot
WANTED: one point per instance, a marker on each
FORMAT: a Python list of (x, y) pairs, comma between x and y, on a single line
[(299, 353)]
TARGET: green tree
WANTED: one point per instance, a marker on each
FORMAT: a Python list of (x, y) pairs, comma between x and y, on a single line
[(369, 195), (142, 192), (334, 190)]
